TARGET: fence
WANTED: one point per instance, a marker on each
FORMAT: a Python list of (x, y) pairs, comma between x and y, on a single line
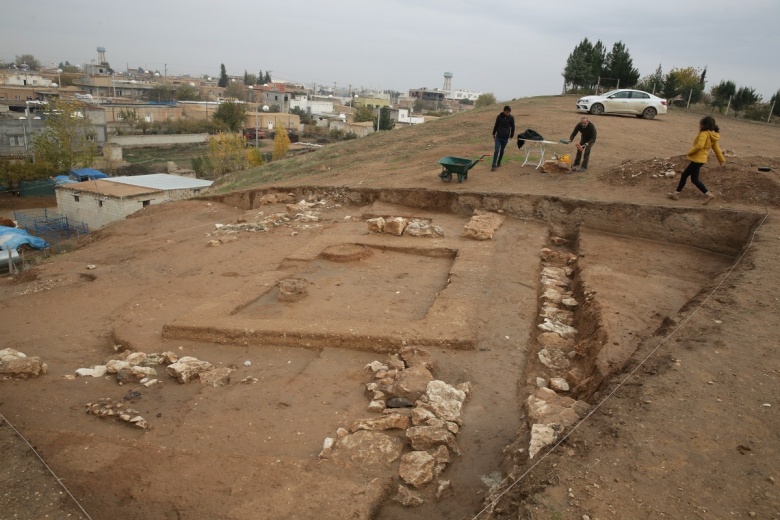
[(50, 226)]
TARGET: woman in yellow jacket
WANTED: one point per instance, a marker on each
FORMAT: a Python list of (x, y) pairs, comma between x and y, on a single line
[(707, 138)]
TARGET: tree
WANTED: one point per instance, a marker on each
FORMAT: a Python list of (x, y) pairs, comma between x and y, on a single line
[(260, 78), (304, 115), (618, 65), (231, 114), (267, 78), (485, 100), (744, 98), (67, 140), (187, 92), (363, 114), (281, 142), (223, 77), (129, 116), (584, 65), (722, 93), (685, 83), (235, 90), (226, 153), (249, 79), (67, 67), (385, 123), (652, 83), (162, 93), (29, 60), (775, 100)]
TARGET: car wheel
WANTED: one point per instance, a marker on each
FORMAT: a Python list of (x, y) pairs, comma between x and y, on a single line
[(649, 113), (597, 109)]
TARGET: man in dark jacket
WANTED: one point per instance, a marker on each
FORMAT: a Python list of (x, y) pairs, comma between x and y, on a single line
[(503, 131), (587, 140)]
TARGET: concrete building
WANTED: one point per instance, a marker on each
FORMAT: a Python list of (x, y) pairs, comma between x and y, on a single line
[(99, 202)]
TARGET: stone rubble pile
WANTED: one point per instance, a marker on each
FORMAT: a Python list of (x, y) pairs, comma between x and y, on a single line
[(105, 407), (302, 212), (483, 225), (418, 414), (15, 364), (549, 413), (399, 225)]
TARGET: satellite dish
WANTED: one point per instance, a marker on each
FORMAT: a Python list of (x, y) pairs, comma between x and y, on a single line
[(265, 108), (54, 85), (342, 117), (192, 84)]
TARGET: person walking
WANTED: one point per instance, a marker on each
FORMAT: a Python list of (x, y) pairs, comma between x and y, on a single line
[(708, 137), (503, 131), (587, 131)]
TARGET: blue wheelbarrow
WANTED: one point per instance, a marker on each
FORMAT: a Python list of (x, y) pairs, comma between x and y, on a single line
[(457, 166)]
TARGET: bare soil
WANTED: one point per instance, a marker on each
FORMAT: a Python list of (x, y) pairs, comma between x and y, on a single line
[(679, 332)]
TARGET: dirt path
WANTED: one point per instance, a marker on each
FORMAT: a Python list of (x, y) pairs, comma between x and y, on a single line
[(688, 432)]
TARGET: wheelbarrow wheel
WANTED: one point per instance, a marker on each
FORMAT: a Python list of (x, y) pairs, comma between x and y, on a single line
[(446, 176)]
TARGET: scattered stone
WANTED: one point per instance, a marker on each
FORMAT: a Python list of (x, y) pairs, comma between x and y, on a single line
[(18, 364), (376, 225), (414, 356), (369, 448), (443, 490), (96, 371), (188, 368), (327, 448), (428, 437), (542, 435), (553, 166), (395, 225), (559, 384), (399, 402), (390, 421), (407, 498), (563, 330), (216, 377), (445, 401), (417, 468), (413, 382), (135, 374), (483, 225)]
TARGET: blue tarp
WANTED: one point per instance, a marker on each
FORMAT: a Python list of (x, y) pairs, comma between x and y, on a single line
[(11, 238), (63, 179), (86, 174)]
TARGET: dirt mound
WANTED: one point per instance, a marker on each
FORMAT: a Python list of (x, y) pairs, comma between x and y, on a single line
[(737, 181)]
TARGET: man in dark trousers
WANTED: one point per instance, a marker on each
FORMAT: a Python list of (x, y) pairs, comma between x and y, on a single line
[(503, 131), (587, 140)]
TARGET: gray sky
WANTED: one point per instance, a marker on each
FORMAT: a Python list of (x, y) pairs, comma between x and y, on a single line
[(512, 49)]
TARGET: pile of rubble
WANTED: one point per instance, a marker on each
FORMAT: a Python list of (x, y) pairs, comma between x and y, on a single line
[(17, 364), (549, 413), (398, 226), (139, 367), (483, 225), (415, 411), (301, 212), (105, 407)]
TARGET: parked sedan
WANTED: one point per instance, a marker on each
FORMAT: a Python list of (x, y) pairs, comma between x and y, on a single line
[(623, 101)]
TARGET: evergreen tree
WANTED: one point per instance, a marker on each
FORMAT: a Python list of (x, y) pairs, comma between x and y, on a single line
[(653, 83), (775, 100), (577, 72), (619, 66), (223, 77), (722, 93), (267, 78), (260, 78), (744, 98), (596, 58), (385, 123)]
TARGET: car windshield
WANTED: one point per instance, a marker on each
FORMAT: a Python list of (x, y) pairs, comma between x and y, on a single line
[(607, 94)]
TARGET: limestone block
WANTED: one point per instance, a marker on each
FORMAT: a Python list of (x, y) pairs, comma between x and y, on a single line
[(417, 468)]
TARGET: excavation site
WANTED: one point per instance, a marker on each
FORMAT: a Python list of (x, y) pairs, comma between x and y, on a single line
[(359, 339)]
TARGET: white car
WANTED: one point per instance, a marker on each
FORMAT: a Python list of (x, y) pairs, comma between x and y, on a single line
[(623, 101)]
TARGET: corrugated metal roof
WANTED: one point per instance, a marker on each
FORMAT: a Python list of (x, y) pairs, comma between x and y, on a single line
[(106, 188), (162, 181)]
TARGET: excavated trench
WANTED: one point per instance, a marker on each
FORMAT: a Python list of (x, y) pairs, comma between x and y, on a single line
[(595, 279)]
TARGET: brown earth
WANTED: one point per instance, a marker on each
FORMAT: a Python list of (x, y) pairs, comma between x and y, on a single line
[(677, 328)]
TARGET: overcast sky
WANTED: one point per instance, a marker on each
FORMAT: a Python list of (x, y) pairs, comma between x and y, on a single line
[(511, 48)]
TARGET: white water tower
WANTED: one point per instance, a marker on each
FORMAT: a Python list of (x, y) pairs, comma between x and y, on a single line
[(447, 82)]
